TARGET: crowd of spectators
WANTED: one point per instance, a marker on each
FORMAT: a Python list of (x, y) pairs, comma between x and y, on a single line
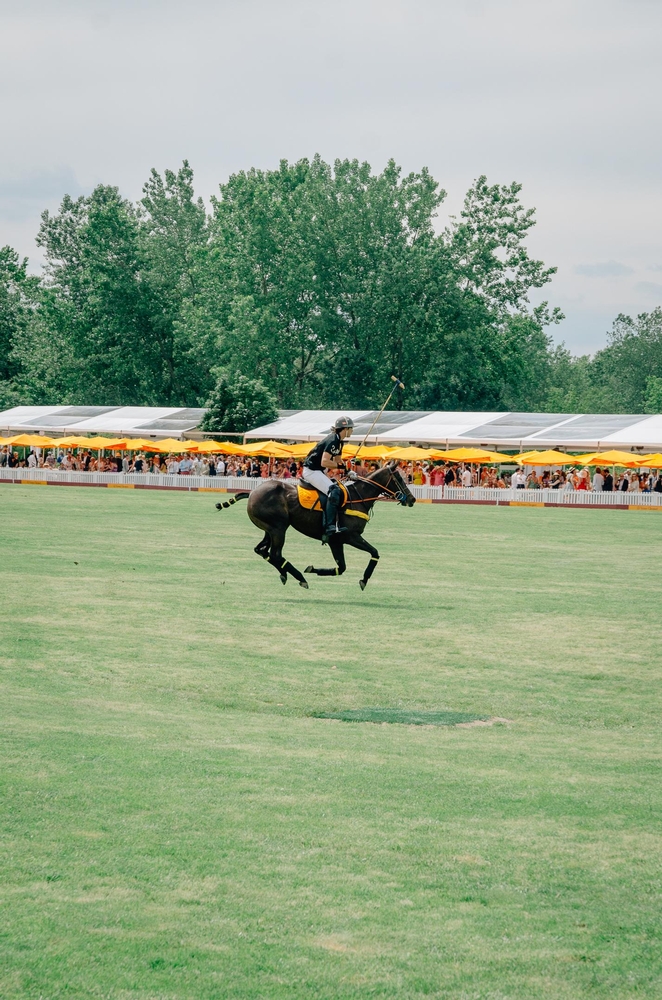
[(416, 473), (601, 480), (187, 464)]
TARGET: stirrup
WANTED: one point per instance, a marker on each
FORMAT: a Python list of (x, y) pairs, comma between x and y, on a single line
[(333, 529)]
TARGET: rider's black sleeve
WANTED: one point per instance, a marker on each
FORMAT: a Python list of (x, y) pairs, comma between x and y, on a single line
[(331, 444)]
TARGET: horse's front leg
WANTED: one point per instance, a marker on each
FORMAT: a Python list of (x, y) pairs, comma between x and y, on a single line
[(337, 551), (359, 542)]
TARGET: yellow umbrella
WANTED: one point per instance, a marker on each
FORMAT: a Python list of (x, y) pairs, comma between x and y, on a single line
[(478, 455), (650, 461), (411, 454), (170, 446), (377, 451), (495, 457), (349, 449), (624, 458), (31, 440), (232, 448), (167, 445), (544, 458), (98, 443), (207, 447), (139, 444), (224, 447), (71, 442), (461, 454), (301, 449), (270, 449)]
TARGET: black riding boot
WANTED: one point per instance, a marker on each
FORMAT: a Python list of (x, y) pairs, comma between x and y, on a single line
[(333, 501)]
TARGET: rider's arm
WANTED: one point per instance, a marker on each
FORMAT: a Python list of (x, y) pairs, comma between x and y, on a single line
[(329, 461)]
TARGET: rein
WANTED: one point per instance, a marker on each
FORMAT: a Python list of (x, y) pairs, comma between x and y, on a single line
[(399, 495)]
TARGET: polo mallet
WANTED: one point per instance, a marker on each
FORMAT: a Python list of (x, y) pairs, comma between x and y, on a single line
[(398, 385)]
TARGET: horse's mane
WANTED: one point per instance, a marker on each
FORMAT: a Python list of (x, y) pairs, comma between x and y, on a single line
[(375, 472), (370, 478)]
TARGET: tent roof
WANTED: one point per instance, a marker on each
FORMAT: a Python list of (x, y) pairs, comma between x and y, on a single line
[(448, 429), (133, 421), (520, 431)]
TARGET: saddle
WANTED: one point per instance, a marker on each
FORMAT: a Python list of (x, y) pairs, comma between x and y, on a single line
[(309, 497)]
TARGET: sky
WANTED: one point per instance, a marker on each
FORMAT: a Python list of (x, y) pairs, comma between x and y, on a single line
[(563, 97)]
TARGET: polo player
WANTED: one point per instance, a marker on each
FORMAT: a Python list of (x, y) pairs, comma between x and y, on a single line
[(327, 454)]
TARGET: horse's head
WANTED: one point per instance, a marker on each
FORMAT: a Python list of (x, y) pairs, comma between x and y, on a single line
[(390, 477), (402, 492)]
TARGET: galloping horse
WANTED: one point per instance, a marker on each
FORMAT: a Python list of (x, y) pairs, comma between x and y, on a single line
[(274, 507)]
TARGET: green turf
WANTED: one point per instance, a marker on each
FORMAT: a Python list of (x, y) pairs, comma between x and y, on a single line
[(177, 824), (404, 717)]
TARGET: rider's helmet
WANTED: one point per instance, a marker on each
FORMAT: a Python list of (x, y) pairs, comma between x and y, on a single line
[(343, 422)]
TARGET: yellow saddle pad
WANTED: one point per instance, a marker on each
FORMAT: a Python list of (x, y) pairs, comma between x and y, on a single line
[(310, 498)]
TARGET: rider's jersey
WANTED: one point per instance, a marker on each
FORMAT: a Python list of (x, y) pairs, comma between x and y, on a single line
[(331, 444)]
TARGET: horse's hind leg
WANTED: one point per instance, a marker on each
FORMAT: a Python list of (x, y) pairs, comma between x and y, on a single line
[(282, 565), (263, 548), (359, 542), (338, 553)]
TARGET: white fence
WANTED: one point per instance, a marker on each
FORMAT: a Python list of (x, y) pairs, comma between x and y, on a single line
[(570, 498), (120, 479)]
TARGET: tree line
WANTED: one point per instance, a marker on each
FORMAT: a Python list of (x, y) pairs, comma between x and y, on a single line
[(304, 286)]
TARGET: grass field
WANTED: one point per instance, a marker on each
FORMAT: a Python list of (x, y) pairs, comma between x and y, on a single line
[(176, 824)]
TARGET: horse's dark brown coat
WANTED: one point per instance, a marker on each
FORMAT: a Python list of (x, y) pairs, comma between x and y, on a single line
[(274, 507)]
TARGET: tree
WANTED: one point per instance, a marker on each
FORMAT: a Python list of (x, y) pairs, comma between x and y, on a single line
[(317, 281), (173, 245), (118, 283), (487, 248), (634, 354), (653, 396), (238, 403), (317, 264), (94, 342), (324, 281), (17, 294), (570, 386)]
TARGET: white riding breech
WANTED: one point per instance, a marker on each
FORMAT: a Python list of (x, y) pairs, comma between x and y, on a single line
[(317, 479)]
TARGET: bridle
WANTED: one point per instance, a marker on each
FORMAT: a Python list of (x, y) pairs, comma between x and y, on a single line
[(399, 495)]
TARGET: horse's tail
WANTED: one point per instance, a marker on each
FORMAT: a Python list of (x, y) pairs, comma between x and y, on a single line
[(228, 503)]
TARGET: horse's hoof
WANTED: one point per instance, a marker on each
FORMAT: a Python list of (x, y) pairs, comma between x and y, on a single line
[(283, 578), (362, 584), (304, 584), (219, 506), (309, 569)]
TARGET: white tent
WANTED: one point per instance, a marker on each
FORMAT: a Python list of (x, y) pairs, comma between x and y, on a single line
[(516, 431), (523, 431), (133, 421)]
